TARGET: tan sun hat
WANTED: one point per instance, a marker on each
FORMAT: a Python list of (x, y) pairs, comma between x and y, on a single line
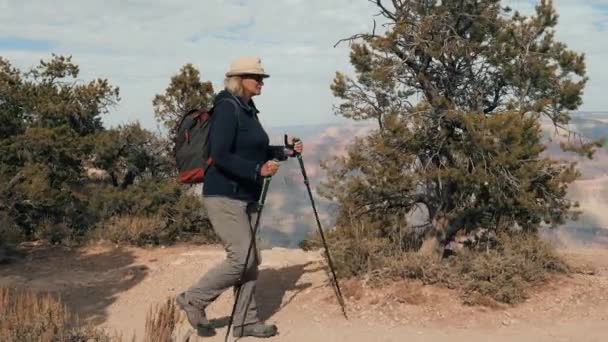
[(246, 66)]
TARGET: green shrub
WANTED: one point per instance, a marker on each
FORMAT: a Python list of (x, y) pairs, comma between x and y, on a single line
[(150, 212), (503, 274)]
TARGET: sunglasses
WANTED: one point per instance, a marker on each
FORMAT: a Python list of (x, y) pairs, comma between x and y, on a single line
[(258, 78)]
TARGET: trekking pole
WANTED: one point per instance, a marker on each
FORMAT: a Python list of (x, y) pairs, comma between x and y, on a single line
[(314, 209), (251, 246)]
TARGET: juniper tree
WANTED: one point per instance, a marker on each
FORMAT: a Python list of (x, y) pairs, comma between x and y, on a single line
[(46, 116), (129, 153), (50, 132), (185, 92), (471, 149)]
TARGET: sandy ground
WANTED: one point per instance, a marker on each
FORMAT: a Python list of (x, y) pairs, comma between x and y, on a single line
[(115, 287)]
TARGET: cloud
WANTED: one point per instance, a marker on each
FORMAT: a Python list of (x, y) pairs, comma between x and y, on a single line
[(140, 44)]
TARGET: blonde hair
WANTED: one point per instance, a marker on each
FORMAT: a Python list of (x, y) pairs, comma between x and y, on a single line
[(234, 85)]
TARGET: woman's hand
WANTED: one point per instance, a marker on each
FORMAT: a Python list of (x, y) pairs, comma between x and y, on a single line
[(298, 146), (295, 146), (269, 168)]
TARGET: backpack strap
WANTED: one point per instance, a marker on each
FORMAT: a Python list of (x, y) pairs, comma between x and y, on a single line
[(238, 117), (236, 107)]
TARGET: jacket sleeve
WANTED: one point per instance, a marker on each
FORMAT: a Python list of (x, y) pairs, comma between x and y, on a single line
[(276, 152), (222, 134)]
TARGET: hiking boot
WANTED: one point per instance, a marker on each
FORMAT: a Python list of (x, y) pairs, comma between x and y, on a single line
[(196, 316), (255, 330)]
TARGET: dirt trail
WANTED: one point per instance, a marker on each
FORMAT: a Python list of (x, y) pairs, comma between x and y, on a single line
[(115, 287)]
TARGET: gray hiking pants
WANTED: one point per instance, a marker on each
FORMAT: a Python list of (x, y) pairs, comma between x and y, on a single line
[(233, 221)]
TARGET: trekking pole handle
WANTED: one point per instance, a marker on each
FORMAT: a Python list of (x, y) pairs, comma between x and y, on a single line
[(287, 144), (291, 146)]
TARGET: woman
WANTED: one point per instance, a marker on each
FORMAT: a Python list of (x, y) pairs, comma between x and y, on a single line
[(242, 157)]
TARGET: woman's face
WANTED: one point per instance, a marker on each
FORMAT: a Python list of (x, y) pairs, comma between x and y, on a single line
[(252, 84)]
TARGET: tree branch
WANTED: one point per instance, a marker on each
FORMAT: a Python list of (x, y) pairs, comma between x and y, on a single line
[(496, 101), (364, 36), (384, 11)]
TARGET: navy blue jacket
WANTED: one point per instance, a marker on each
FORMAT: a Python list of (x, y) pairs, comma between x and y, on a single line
[(239, 147)]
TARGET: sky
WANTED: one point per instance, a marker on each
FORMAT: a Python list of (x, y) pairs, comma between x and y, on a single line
[(139, 44)]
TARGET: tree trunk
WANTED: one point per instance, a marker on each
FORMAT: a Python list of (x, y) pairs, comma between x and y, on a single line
[(129, 179), (3, 254), (432, 246)]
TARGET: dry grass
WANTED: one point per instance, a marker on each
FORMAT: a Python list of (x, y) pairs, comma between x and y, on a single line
[(161, 322), (27, 316), (504, 274), (352, 289), (136, 230), (146, 230), (507, 273), (407, 293)]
